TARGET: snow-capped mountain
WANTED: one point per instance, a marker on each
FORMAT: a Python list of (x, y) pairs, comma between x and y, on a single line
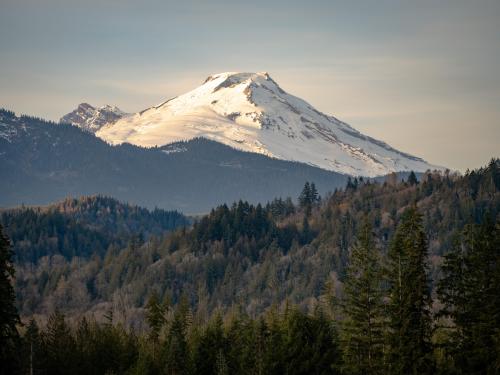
[(41, 162), (90, 118), (250, 112)]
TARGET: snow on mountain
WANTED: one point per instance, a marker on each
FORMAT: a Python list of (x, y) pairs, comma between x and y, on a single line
[(90, 118), (250, 112)]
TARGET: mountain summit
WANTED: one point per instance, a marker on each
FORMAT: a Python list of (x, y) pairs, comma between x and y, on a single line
[(250, 112), (90, 118)]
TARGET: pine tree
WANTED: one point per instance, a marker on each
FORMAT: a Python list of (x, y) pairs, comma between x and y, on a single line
[(305, 195), (32, 347), (59, 346), (306, 231), (308, 197), (409, 299), (211, 348), (412, 179), (363, 327), (470, 293), (314, 196), (156, 319), (9, 318), (178, 358)]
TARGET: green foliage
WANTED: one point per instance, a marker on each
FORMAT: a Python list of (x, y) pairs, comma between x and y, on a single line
[(155, 316), (177, 353), (364, 322), (409, 299), (59, 346), (9, 317), (256, 257), (288, 342), (309, 197), (281, 208), (412, 179), (228, 226), (262, 260), (82, 227), (8, 314), (470, 293)]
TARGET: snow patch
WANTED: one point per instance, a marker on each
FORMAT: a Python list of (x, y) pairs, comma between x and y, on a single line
[(249, 111)]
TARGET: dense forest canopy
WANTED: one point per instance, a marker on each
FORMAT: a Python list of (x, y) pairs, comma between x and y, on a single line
[(248, 254), (82, 227), (396, 277)]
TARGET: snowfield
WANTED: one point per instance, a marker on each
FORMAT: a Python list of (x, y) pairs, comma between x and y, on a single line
[(250, 112)]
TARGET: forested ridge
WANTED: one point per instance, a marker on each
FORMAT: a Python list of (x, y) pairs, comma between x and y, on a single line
[(400, 277), (82, 227), (43, 162)]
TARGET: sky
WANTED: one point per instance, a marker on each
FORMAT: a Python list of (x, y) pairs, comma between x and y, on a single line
[(424, 76)]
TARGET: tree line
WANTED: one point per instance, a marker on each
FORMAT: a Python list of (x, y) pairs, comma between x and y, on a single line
[(398, 278), (383, 323)]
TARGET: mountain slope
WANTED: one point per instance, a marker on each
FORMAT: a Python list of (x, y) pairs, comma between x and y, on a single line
[(41, 162), (90, 118), (258, 257), (250, 112), (82, 227)]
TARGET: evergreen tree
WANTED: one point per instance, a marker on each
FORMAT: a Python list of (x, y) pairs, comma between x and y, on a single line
[(314, 197), (211, 348), (9, 318), (306, 231), (32, 349), (363, 327), (59, 346), (305, 195), (412, 179), (178, 356), (409, 299), (310, 345), (156, 319), (470, 293), (308, 197)]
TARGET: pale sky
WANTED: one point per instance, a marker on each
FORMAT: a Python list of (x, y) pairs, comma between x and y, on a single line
[(424, 76)]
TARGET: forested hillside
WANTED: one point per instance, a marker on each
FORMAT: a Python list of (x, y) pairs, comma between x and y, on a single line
[(82, 227), (253, 256), (397, 277)]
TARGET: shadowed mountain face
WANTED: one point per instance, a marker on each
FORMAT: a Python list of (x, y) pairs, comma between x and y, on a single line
[(41, 162)]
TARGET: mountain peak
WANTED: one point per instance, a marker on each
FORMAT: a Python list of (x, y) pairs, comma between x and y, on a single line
[(250, 112), (237, 77), (90, 118)]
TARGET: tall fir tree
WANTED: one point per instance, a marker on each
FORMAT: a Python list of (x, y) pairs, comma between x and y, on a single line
[(155, 317), (32, 348), (177, 354), (305, 196), (470, 294), (410, 301), (363, 307), (309, 197), (314, 196), (412, 179), (9, 318), (59, 346), (211, 348)]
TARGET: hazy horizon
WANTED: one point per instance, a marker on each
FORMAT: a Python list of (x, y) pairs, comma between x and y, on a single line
[(422, 77)]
